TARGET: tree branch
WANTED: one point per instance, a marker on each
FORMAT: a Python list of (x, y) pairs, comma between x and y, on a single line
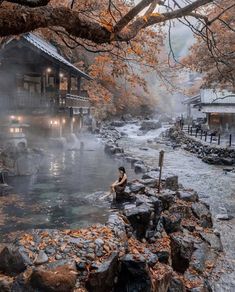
[(24, 19), (131, 14), (30, 3)]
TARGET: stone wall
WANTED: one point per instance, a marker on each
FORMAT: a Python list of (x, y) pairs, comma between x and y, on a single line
[(208, 153)]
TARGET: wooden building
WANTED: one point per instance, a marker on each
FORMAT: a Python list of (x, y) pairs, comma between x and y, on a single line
[(40, 86), (219, 108)]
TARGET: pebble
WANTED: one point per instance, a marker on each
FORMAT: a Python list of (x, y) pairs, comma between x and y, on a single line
[(58, 257), (42, 258), (222, 217), (99, 241)]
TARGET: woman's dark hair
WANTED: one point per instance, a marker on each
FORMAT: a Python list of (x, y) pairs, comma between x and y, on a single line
[(121, 168)]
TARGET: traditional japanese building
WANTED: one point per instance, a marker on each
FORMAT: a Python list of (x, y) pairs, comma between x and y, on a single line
[(40, 87), (218, 106)]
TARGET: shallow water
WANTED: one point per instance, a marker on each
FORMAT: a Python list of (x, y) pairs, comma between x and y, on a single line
[(212, 185), (57, 197)]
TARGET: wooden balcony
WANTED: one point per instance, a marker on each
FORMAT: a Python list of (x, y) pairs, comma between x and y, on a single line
[(76, 101), (51, 101)]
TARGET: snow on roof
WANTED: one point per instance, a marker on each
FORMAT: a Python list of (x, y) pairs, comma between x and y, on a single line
[(225, 109), (51, 51), (208, 96)]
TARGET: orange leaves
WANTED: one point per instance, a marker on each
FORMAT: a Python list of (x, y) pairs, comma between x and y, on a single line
[(155, 14), (27, 239), (106, 20)]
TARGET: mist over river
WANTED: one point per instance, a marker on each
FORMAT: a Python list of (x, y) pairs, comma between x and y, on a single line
[(60, 194)]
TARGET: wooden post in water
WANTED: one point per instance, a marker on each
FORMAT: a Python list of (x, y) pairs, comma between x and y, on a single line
[(219, 139), (211, 139), (2, 181), (201, 134), (160, 164), (205, 136), (230, 140)]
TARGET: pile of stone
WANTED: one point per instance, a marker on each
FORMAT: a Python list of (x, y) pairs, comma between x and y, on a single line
[(148, 125), (155, 242), (110, 135), (208, 153)]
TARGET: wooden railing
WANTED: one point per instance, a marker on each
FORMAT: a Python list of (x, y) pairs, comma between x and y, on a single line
[(212, 137)]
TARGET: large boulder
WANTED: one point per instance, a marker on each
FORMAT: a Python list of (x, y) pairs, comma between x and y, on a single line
[(171, 222), (213, 240), (182, 248), (171, 183), (203, 258), (102, 279), (153, 174), (139, 167), (176, 285), (150, 182), (136, 187), (150, 125), (60, 279), (167, 198), (188, 196), (134, 275), (118, 123), (117, 224), (126, 196), (13, 260), (139, 217), (202, 212)]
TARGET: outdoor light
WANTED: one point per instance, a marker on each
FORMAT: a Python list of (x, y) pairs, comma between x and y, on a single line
[(48, 70), (73, 119), (61, 75), (63, 121), (55, 122), (11, 130), (12, 117), (51, 122)]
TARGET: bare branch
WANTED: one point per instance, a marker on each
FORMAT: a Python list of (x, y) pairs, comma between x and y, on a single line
[(131, 14), (30, 3)]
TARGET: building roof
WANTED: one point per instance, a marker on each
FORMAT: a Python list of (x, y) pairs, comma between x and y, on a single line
[(223, 109), (209, 96), (51, 51)]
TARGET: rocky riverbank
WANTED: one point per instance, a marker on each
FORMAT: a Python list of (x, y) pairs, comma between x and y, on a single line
[(208, 153), (154, 242), (151, 242)]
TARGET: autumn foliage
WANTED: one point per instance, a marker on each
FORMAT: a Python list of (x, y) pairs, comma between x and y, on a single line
[(119, 85), (214, 54)]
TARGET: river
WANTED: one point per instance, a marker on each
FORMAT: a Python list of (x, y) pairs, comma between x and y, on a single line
[(59, 195)]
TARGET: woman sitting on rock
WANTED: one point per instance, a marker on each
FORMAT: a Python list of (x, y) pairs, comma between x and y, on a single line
[(119, 185)]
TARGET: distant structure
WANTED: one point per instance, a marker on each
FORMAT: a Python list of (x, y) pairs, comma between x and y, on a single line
[(218, 106), (39, 87)]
